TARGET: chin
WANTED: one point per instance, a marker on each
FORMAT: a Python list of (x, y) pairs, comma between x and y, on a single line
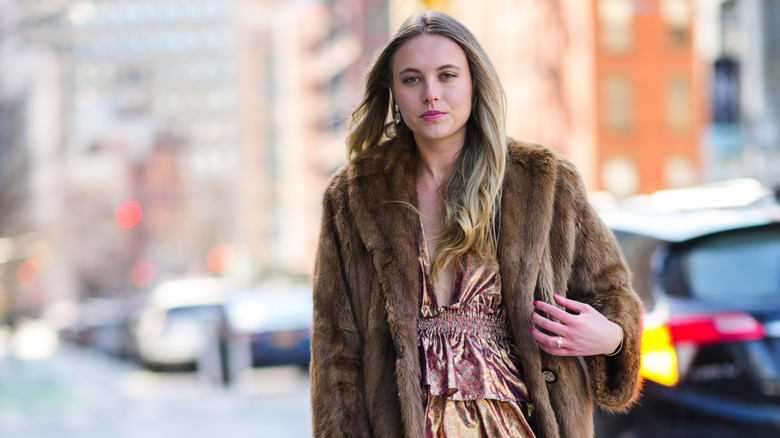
[(429, 135)]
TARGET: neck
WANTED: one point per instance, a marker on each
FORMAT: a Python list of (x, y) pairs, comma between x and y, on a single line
[(436, 159)]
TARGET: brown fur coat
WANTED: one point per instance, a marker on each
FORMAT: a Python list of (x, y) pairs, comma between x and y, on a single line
[(365, 369)]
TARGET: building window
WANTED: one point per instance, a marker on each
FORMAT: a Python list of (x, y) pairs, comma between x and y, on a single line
[(676, 14), (679, 171), (618, 103), (725, 91), (678, 104), (620, 176), (616, 19)]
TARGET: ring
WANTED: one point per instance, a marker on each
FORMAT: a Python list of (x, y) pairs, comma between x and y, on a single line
[(559, 342)]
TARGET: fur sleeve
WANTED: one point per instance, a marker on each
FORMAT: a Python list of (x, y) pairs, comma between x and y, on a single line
[(338, 407), (601, 278)]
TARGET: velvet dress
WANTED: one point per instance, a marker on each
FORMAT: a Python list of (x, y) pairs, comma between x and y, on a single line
[(472, 385)]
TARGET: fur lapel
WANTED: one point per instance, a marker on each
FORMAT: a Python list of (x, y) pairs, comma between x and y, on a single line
[(525, 219), (383, 199), (382, 196)]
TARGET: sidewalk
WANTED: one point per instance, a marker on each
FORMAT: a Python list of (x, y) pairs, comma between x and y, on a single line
[(78, 393)]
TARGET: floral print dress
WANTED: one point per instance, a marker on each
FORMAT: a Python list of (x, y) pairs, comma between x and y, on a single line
[(472, 385)]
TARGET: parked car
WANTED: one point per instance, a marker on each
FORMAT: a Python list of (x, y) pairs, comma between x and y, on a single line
[(105, 324), (178, 320), (273, 322), (709, 279)]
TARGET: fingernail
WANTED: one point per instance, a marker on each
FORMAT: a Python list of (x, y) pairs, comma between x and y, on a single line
[(535, 302), (532, 329)]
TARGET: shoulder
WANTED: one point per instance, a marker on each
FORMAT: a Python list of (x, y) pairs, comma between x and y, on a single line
[(380, 159), (531, 154), (383, 158), (372, 167), (541, 161)]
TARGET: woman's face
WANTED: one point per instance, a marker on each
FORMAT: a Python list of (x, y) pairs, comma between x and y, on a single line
[(432, 87)]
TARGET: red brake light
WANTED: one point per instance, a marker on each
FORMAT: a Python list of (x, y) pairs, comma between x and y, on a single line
[(707, 329)]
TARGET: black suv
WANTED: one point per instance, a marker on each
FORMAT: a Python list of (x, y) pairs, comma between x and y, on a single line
[(709, 279)]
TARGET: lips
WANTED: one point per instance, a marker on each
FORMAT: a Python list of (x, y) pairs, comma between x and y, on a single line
[(432, 115)]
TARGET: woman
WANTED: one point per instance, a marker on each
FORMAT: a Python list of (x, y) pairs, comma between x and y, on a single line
[(447, 254)]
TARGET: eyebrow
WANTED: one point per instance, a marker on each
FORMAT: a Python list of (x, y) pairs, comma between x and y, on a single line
[(443, 67)]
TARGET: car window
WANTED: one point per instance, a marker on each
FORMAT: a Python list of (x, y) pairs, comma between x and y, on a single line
[(210, 313), (738, 265), (639, 251), (254, 310)]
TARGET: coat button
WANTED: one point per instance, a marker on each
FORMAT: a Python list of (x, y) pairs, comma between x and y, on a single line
[(549, 375)]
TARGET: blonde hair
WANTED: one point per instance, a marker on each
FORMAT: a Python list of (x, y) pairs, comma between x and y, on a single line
[(471, 192)]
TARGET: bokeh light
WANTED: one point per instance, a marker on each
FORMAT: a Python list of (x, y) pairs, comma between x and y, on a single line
[(219, 258), (143, 273), (128, 214), (27, 272)]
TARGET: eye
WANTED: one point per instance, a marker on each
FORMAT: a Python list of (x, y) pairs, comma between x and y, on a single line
[(448, 75), (410, 80)]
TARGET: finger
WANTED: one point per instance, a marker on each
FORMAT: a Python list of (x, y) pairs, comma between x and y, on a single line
[(541, 338), (545, 340), (570, 304), (552, 351), (553, 311), (549, 343), (551, 326)]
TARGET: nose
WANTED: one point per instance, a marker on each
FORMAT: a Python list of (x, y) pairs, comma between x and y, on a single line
[(431, 92)]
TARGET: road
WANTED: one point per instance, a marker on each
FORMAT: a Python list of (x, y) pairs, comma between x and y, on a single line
[(78, 393)]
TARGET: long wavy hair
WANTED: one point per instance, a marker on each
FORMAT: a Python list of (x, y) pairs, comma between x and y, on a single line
[(470, 193)]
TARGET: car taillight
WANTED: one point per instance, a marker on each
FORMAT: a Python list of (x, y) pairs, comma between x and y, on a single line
[(660, 342), (659, 361)]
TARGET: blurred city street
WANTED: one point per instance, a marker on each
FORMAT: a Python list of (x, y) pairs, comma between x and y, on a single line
[(163, 163), (85, 394)]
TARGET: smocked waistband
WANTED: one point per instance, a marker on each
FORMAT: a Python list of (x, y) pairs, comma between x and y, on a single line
[(459, 321)]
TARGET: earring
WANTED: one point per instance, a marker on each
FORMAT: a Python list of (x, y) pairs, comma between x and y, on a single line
[(397, 114)]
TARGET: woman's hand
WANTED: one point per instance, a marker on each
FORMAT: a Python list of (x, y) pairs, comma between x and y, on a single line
[(585, 333)]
